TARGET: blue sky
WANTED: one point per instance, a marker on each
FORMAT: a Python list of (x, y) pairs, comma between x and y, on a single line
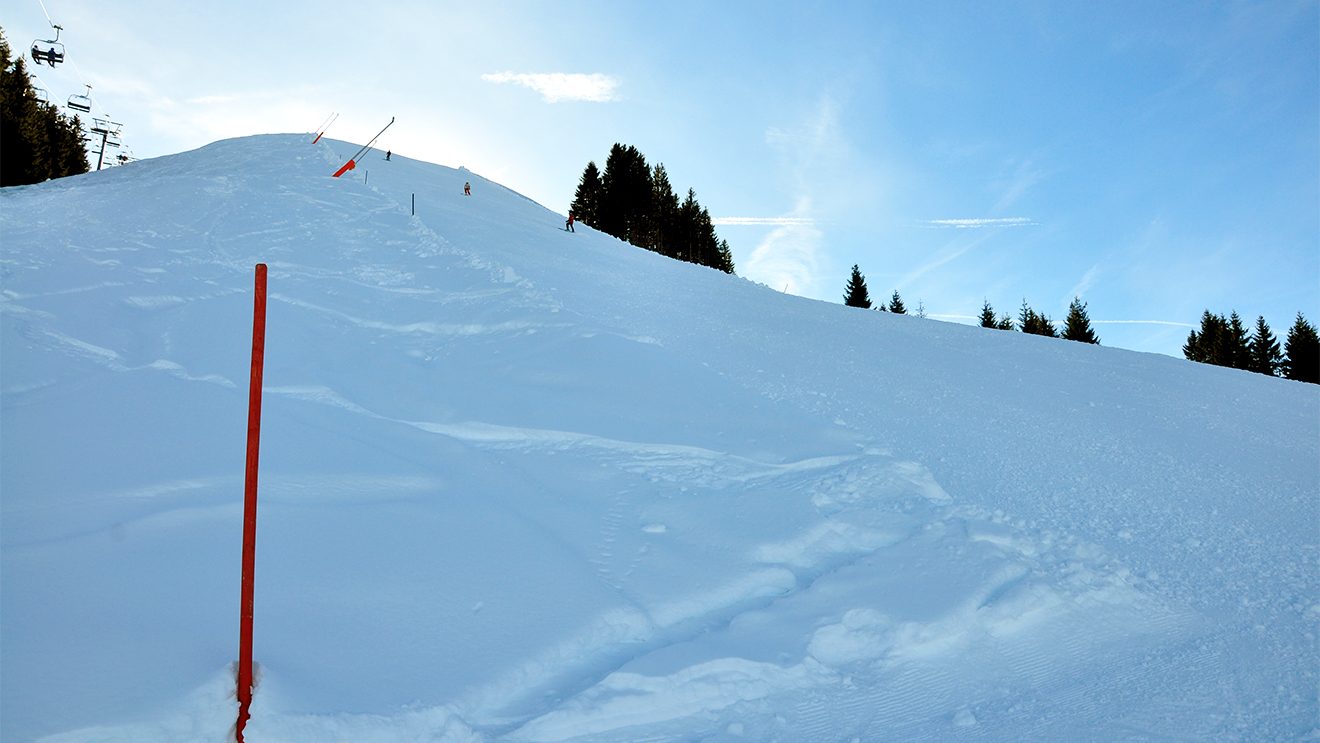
[(1155, 159)]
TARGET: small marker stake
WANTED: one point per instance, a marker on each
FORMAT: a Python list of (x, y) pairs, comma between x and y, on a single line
[(244, 691)]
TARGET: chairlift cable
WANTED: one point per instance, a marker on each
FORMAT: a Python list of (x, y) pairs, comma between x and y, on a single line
[(322, 126), (43, 10), (368, 145)]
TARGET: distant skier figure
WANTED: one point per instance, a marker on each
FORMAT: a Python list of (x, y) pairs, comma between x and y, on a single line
[(467, 188), (388, 153), (569, 224)]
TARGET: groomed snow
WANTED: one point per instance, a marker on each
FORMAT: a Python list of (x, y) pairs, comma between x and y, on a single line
[(525, 485)]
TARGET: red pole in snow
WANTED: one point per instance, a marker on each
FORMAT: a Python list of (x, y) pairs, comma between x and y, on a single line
[(347, 167), (250, 503)]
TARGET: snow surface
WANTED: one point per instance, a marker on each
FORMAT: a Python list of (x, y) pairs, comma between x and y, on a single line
[(526, 485)]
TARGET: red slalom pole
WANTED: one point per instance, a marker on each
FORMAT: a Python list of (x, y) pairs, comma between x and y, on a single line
[(250, 504)]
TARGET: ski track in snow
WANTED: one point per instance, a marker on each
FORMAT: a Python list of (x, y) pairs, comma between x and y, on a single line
[(1008, 604)]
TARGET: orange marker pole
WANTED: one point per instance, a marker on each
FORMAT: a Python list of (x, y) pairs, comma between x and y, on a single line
[(244, 692)]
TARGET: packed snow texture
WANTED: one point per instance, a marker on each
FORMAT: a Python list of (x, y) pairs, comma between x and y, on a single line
[(529, 485)]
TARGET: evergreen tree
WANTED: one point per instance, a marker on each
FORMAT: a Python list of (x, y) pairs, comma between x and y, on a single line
[(1204, 345), (855, 293), (586, 200), (1077, 326), (708, 245), (1222, 341), (1035, 323), (1237, 354), (664, 206), (1264, 355), (636, 203), (1301, 360), (37, 141), (988, 319), (725, 263), (896, 304), (689, 216), (625, 195)]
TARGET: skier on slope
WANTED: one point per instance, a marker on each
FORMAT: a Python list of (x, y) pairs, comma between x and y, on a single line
[(388, 153), (569, 224), (467, 188)]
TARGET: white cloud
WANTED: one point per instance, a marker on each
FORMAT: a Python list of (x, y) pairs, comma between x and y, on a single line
[(1084, 283), (975, 223), (1025, 176), (788, 258), (951, 252), (776, 221), (562, 86), (815, 159)]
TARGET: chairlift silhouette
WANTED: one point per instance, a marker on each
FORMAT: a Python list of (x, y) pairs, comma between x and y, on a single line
[(40, 94), (110, 131), (50, 51), (81, 102)]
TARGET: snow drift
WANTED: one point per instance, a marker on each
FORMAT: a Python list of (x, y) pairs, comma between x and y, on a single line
[(521, 484)]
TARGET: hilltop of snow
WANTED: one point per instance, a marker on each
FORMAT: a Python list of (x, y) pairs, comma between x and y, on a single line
[(521, 484)]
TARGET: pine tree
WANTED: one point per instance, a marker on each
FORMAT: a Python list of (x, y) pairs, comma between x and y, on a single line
[(664, 208), (636, 203), (37, 141), (18, 109), (725, 263), (1035, 323), (1237, 354), (1202, 345), (586, 200), (988, 319), (1222, 341), (855, 293), (1077, 326), (896, 304), (1264, 354), (1301, 360), (689, 217), (625, 195), (708, 245)]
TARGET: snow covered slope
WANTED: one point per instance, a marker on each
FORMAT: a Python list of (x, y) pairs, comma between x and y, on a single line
[(521, 484)]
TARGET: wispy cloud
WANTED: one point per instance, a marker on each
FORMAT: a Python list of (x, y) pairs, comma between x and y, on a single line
[(555, 87), (813, 152), (776, 221), (788, 258), (1084, 283), (952, 251), (976, 223), (1025, 176)]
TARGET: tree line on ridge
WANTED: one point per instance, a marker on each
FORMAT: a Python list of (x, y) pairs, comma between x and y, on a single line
[(1222, 341), (636, 202)]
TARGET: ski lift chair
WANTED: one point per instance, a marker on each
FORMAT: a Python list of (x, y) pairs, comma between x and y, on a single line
[(50, 51), (81, 102)]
